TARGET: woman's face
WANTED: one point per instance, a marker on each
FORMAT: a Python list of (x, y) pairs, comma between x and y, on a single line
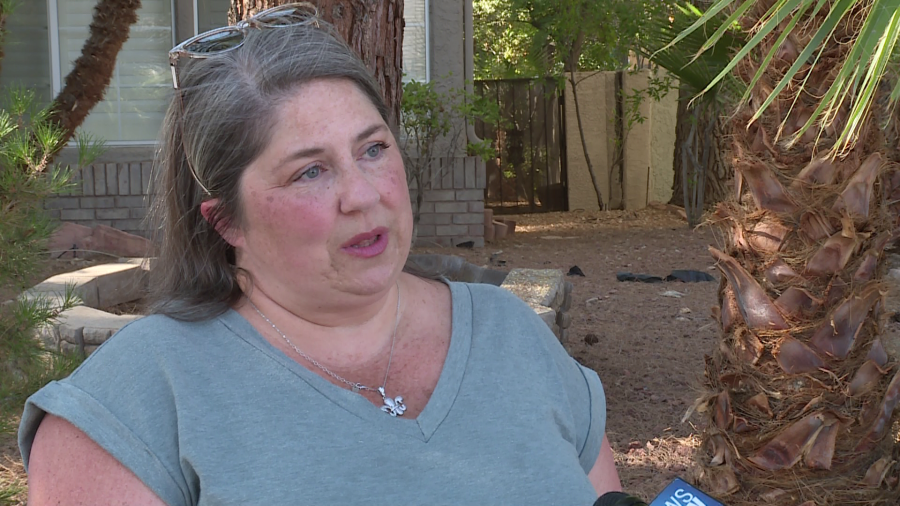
[(326, 209)]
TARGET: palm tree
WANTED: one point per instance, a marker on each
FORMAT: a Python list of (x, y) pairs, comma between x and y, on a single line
[(373, 29), (800, 392)]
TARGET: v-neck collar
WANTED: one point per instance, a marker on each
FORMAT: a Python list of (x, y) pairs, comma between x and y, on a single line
[(441, 400)]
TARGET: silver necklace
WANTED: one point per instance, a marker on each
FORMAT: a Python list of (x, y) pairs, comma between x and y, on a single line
[(392, 405)]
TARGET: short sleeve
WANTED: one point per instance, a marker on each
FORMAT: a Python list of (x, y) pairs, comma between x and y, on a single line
[(586, 399), (119, 397), (578, 388), (592, 422)]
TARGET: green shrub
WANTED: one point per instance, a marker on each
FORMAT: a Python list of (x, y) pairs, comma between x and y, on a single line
[(27, 178)]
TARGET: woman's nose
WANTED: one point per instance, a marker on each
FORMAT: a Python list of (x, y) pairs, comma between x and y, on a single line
[(359, 191)]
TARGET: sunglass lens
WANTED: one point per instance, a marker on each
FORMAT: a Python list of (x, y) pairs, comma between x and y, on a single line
[(216, 42)]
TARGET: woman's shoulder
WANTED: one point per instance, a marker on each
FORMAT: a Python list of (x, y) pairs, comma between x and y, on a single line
[(155, 339), (160, 328), (491, 303), (486, 294)]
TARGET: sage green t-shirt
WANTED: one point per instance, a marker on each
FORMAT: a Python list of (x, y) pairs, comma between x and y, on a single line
[(210, 413)]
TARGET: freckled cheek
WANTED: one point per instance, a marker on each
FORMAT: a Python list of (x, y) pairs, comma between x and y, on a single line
[(394, 180), (392, 187), (292, 220)]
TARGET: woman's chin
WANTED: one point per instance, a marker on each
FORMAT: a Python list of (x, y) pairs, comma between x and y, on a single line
[(374, 280)]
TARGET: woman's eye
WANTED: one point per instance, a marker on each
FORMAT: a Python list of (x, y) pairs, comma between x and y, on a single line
[(374, 150), (312, 173)]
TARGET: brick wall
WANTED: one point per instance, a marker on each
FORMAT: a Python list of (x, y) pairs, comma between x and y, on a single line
[(115, 194), (453, 207), (112, 194)]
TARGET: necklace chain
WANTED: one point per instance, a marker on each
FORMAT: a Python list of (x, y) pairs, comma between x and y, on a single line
[(356, 387)]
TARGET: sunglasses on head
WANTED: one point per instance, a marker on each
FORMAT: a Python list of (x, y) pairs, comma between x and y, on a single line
[(229, 38)]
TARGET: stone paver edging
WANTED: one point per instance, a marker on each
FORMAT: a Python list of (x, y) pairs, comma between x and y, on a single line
[(83, 328), (547, 292)]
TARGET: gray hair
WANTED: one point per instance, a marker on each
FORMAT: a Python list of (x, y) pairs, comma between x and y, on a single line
[(217, 124)]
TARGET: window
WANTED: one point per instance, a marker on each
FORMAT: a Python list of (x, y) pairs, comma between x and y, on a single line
[(415, 41), (48, 38), (26, 51)]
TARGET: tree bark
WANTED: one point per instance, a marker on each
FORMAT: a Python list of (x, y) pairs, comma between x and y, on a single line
[(718, 171), (800, 391), (87, 82), (372, 28)]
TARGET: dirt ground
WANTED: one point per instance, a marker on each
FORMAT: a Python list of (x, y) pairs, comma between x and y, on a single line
[(648, 346)]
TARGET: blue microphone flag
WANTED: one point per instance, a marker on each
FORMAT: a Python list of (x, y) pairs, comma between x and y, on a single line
[(680, 493)]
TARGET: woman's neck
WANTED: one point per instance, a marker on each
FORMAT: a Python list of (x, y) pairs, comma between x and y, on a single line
[(351, 330)]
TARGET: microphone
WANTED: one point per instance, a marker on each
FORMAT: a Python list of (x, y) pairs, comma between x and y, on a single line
[(618, 499), (677, 493)]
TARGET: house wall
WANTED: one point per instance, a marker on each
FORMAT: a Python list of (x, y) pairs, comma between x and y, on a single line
[(111, 194), (113, 191), (447, 54), (453, 205), (649, 146)]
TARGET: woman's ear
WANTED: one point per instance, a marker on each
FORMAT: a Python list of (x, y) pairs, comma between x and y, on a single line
[(232, 235)]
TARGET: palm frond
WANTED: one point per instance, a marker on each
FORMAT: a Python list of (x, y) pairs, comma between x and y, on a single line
[(686, 60), (861, 69)]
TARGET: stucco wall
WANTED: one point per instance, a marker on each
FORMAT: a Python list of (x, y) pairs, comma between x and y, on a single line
[(649, 146), (598, 109), (664, 114)]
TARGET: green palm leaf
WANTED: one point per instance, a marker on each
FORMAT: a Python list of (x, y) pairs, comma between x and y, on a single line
[(863, 68), (687, 60)]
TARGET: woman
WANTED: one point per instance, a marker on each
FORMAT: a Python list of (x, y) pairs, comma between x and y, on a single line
[(291, 360)]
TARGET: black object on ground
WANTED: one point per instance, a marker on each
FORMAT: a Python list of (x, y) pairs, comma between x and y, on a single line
[(467, 245), (575, 271), (689, 276), (685, 276), (640, 278)]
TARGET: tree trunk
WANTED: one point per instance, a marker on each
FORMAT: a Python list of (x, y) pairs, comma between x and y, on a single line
[(718, 171), (372, 28), (87, 82), (800, 391)]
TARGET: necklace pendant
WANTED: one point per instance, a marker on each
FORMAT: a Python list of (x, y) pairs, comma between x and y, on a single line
[(392, 406)]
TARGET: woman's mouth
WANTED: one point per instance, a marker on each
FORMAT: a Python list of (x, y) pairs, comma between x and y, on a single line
[(367, 245), (367, 242)]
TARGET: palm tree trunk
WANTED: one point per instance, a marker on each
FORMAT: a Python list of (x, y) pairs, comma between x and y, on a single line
[(800, 392), (86, 83), (372, 28), (718, 172)]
